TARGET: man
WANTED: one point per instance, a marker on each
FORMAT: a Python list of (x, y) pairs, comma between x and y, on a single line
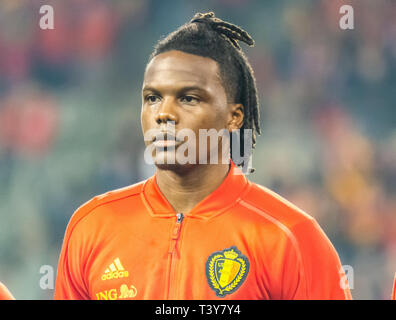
[(197, 230), (5, 294)]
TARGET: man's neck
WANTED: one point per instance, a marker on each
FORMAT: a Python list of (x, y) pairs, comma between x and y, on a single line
[(184, 190)]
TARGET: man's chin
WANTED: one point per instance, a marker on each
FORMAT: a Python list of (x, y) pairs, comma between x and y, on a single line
[(176, 167), (167, 160)]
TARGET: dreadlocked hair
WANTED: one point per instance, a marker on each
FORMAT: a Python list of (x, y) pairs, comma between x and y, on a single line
[(208, 36)]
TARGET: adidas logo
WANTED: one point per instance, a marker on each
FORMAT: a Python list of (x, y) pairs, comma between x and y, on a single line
[(115, 271)]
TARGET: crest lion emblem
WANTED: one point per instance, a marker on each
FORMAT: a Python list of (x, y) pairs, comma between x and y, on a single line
[(226, 270)]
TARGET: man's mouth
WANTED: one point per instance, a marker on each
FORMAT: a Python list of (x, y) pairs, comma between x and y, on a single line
[(165, 140)]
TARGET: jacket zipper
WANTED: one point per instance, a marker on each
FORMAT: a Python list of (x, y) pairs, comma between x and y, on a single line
[(172, 249)]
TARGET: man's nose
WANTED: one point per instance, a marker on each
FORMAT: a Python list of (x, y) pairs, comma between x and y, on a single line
[(167, 112)]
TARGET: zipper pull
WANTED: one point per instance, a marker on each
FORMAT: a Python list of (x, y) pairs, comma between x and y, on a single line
[(176, 231), (180, 217)]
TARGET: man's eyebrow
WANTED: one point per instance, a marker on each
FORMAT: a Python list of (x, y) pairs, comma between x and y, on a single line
[(179, 90), (192, 88), (148, 88)]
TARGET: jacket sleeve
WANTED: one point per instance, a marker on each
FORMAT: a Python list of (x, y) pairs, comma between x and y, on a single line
[(317, 273), (70, 284)]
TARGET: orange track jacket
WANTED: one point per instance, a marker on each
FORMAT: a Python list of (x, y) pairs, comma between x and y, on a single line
[(243, 241)]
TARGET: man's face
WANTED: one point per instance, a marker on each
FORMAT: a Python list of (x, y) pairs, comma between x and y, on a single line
[(185, 90)]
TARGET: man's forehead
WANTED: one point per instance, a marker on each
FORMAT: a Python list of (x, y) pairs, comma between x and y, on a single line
[(180, 66)]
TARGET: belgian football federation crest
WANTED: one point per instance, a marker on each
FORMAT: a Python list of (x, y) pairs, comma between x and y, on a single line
[(226, 270)]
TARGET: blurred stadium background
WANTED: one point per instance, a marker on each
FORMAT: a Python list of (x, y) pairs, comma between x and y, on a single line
[(70, 120)]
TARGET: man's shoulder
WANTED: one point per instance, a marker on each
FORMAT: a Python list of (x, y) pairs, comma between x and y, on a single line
[(274, 208), (114, 195), (103, 200), (5, 294)]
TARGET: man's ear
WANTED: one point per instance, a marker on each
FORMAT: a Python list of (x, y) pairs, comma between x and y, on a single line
[(236, 117)]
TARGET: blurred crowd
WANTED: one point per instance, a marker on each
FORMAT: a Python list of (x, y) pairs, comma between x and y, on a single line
[(70, 120)]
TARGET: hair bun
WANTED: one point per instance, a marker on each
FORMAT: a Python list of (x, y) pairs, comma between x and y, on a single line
[(228, 30), (201, 17)]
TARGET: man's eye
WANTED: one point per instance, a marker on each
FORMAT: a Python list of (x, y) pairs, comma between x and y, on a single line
[(152, 98), (189, 99)]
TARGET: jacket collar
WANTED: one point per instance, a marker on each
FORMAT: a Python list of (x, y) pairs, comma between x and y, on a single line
[(225, 196)]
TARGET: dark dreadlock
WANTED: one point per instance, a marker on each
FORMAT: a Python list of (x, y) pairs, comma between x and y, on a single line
[(208, 36)]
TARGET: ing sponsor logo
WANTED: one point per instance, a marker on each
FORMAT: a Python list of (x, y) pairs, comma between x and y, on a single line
[(124, 292)]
